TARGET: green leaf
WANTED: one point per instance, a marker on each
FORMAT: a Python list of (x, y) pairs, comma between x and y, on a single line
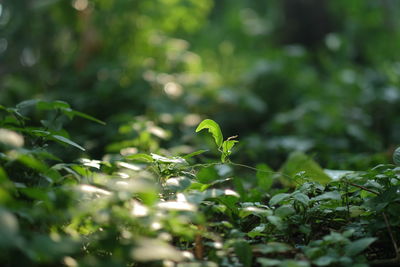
[(268, 262), (55, 137), (32, 162), (215, 193), (244, 253), (356, 211), (272, 247), (198, 196), (48, 105), (257, 231), (334, 195), (278, 198), (3, 176), (27, 103), (140, 157), (324, 261), (85, 116), (298, 162), (275, 220), (294, 263), (213, 128), (191, 155), (178, 183), (396, 156), (227, 145), (40, 133), (163, 159), (257, 211), (65, 108), (207, 175), (358, 246), (65, 140), (304, 199), (49, 249), (36, 193), (284, 211), (226, 149), (6, 187)]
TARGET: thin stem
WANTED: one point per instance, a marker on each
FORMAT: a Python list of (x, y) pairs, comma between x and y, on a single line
[(391, 235), (240, 165), (347, 200), (363, 188), (389, 228), (259, 170)]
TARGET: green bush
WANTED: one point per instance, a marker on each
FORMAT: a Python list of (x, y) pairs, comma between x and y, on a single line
[(142, 209)]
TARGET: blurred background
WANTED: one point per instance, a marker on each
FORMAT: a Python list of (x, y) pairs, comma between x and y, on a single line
[(322, 77)]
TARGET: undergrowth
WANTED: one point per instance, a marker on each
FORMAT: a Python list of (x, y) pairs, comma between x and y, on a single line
[(162, 209)]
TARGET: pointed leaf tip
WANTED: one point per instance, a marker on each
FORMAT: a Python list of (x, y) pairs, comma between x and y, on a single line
[(213, 128)]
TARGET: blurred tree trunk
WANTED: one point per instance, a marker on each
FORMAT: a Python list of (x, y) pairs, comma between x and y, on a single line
[(306, 22), (90, 42)]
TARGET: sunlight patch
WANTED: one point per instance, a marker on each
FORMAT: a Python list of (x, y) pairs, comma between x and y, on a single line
[(229, 192), (153, 249), (173, 90), (139, 210), (177, 205), (92, 189), (80, 5), (129, 166), (11, 138)]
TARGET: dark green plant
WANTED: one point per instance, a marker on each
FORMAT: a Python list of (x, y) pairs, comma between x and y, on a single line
[(145, 209)]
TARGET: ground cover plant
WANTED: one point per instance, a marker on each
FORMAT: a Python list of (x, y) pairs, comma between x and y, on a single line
[(163, 207)]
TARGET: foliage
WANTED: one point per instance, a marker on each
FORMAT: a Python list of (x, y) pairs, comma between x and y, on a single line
[(144, 209), (313, 95), (225, 147), (287, 78)]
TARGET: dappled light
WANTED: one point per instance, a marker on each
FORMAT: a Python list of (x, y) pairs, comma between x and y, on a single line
[(11, 138), (177, 205), (173, 90), (80, 5), (95, 190), (189, 133), (139, 210), (153, 249)]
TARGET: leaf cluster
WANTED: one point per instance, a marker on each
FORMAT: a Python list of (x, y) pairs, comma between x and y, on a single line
[(155, 209)]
